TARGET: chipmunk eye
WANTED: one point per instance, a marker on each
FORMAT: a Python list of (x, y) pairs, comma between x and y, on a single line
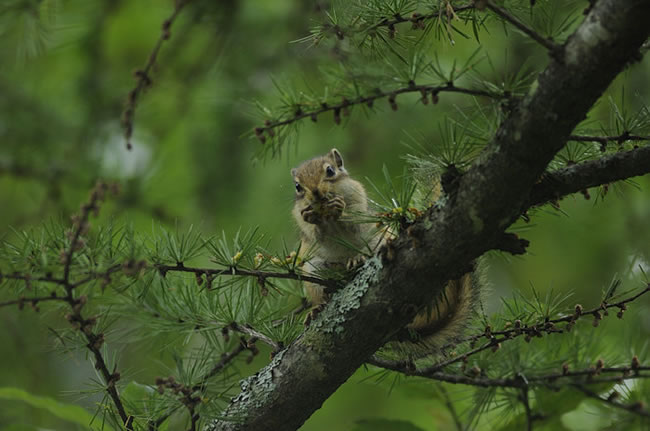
[(329, 171), (298, 187)]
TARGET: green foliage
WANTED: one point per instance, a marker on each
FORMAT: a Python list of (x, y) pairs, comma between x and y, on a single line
[(170, 298), (69, 412)]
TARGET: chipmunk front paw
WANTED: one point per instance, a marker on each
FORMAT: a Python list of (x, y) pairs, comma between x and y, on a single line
[(310, 216), (334, 208), (355, 262)]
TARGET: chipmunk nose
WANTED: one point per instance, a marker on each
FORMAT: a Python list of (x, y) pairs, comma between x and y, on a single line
[(317, 194)]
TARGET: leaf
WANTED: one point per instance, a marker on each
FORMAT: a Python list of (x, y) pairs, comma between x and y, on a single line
[(385, 425), (69, 412)]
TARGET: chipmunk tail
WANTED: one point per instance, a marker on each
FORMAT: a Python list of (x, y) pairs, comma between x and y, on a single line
[(443, 322)]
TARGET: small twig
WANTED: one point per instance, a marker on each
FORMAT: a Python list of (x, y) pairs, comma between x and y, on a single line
[(223, 362), (33, 301), (636, 408), (547, 326), (234, 271), (29, 278), (226, 359), (451, 408), (98, 275), (545, 42), (415, 19), (76, 318), (496, 338), (526, 403), (619, 374), (248, 330), (425, 90), (143, 76), (80, 225), (606, 139)]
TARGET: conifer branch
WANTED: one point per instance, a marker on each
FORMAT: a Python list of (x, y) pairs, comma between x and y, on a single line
[(490, 195), (235, 271), (537, 329), (162, 383), (526, 403), (33, 301), (302, 112), (637, 408), (516, 22), (417, 20), (604, 140), (143, 76), (48, 278), (84, 325), (474, 377)]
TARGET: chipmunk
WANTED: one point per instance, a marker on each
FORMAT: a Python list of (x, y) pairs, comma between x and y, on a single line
[(326, 196)]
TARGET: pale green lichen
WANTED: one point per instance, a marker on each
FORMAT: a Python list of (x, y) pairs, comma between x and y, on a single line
[(348, 299), (255, 391)]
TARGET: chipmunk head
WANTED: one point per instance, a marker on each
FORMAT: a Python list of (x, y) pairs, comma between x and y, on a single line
[(315, 179)]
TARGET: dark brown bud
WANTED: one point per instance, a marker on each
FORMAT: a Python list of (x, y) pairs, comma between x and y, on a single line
[(578, 310), (392, 102)]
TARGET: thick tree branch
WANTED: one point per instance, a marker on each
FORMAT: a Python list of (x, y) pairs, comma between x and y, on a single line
[(390, 288)]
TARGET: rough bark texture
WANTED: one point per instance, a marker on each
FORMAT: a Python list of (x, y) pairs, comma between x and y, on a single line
[(389, 289)]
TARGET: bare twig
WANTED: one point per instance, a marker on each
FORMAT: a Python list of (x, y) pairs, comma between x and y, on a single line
[(143, 76)]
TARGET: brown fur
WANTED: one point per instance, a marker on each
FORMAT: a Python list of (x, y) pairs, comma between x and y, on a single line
[(322, 209)]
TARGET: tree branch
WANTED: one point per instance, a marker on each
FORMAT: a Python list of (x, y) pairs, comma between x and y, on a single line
[(391, 288), (516, 22), (425, 90), (143, 77), (604, 140), (605, 170), (636, 408), (587, 376), (260, 275)]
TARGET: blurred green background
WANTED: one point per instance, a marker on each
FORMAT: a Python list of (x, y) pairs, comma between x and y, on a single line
[(66, 68)]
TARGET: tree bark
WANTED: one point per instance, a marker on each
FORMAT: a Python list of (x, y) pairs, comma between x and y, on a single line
[(390, 288)]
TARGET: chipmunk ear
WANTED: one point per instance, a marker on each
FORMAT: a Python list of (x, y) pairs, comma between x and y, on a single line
[(336, 157), (294, 171)]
